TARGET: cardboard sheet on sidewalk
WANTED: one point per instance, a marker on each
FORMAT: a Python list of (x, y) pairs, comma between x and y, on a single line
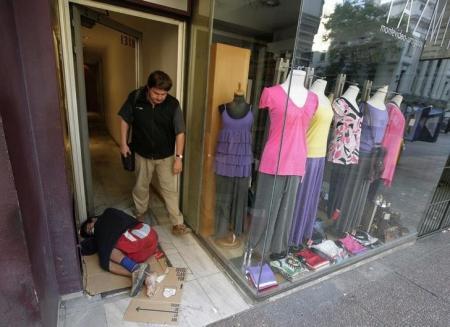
[(97, 281), (163, 307)]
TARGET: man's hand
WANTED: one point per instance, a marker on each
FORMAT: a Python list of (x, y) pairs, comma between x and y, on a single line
[(177, 166), (125, 150)]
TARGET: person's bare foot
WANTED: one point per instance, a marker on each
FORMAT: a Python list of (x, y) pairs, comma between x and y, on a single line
[(150, 283), (140, 217)]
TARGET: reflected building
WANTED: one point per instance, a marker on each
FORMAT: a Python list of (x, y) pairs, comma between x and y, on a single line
[(433, 73), (420, 76)]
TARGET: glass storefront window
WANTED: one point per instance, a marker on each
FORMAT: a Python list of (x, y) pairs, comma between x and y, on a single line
[(323, 139)]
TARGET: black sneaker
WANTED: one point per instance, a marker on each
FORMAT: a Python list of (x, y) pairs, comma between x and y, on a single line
[(138, 277)]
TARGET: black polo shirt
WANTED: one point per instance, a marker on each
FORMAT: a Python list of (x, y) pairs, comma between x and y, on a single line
[(154, 129)]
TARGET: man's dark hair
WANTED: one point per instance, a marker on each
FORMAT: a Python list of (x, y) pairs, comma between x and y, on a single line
[(159, 80), (83, 228)]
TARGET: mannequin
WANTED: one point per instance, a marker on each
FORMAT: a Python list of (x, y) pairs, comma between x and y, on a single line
[(374, 122), (343, 154), (393, 138), (282, 164), (297, 92), (377, 100), (397, 99), (233, 162), (347, 126), (318, 87), (350, 95), (356, 193), (237, 108), (308, 193)]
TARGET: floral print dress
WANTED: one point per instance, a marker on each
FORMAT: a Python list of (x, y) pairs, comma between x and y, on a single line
[(344, 145)]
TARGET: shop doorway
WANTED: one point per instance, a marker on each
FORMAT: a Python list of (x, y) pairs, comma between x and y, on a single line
[(108, 52)]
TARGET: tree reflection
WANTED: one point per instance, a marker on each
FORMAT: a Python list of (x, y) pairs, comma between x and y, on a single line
[(357, 48)]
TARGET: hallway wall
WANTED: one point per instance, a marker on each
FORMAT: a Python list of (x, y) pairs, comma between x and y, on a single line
[(159, 46), (118, 69)]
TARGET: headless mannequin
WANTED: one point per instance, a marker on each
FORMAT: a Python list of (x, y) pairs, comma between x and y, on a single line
[(377, 100), (297, 92), (318, 88), (397, 100), (340, 172), (274, 225), (350, 95), (237, 108)]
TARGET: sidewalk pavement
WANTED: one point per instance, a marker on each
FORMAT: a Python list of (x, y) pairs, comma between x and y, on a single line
[(409, 287)]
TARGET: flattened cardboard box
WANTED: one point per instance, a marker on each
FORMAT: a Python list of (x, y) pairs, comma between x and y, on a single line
[(159, 309), (97, 280)]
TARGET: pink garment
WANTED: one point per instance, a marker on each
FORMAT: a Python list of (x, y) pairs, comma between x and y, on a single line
[(392, 141), (352, 246), (293, 151)]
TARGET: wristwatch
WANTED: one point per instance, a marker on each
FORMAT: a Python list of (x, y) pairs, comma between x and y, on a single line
[(179, 156)]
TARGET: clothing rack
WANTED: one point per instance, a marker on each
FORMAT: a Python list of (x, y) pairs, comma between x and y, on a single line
[(339, 87), (320, 77), (378, 87), (281, 70), (284, 65), (352, 83), (367, 87), (309, 77)]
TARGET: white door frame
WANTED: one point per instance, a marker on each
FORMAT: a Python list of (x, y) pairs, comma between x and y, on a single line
[(70, 83)]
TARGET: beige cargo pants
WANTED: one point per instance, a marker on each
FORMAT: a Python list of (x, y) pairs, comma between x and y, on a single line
[(169, 192)]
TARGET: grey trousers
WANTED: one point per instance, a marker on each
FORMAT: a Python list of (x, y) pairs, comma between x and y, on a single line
[(338, 178), (231, 204), (273, 213), (355, 195)]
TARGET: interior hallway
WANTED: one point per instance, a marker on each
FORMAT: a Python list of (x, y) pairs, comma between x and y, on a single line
[(208, 296), (112, 185)]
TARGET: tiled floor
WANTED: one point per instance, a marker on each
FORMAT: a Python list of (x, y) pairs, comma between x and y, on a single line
[(209, 295)]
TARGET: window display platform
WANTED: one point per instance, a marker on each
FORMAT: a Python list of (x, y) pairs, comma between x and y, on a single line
[(294, 275)]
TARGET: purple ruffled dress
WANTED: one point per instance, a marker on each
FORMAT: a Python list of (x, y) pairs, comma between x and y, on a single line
[(233, 166), (234, 146)]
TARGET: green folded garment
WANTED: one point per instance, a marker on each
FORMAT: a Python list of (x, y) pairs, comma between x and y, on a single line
[(289, 267)]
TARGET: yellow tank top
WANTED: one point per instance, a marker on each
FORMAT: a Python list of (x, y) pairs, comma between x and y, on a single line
[(317, 135)]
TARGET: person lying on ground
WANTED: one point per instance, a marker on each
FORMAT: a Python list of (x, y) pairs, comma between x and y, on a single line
[(123, 245)]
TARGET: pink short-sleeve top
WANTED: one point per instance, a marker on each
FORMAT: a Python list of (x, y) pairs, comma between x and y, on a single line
[(292, 139)]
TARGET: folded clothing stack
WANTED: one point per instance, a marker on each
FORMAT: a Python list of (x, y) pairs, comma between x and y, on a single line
[(351, 245), (331, 251), (312, 259), (289, 267), (365, 239), (264, 280)]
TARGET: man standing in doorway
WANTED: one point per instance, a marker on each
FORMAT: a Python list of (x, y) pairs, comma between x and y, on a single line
[(158, 135)]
